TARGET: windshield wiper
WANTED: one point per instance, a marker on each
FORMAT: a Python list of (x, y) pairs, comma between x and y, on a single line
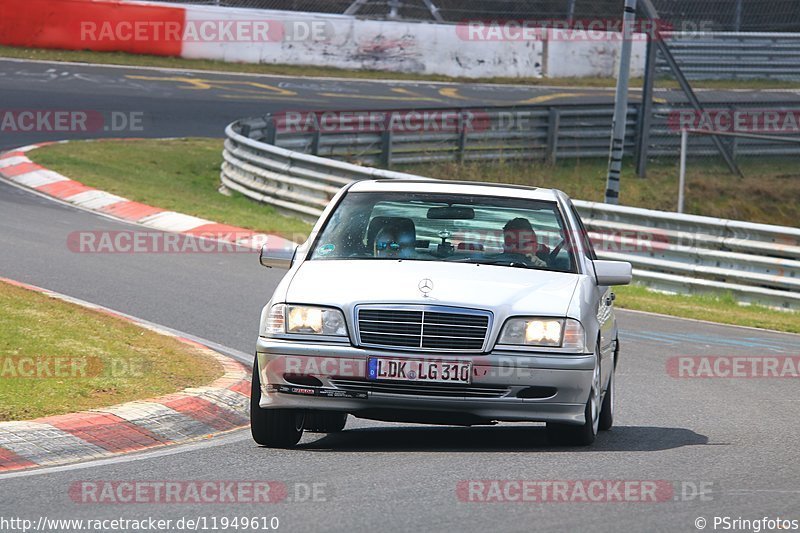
[(505, 262)]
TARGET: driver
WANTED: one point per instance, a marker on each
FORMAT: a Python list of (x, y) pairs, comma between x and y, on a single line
[(519, 238)]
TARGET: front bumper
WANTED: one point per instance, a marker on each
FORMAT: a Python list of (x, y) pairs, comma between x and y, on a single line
[(501, 380)]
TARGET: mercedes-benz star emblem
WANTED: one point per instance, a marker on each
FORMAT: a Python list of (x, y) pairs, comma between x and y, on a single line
[(425, 286)]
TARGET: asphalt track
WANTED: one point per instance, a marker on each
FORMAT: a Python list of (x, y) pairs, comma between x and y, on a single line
[(737, 438)]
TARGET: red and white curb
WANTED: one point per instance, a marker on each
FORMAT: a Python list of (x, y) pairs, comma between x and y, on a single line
[(185, 416), (16, 167)]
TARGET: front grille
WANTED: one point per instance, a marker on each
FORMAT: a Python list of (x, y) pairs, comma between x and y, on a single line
[(438, 390), (422, 329)]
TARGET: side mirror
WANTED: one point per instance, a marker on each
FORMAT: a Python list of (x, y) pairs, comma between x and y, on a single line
[(277, 257), (612, 272)]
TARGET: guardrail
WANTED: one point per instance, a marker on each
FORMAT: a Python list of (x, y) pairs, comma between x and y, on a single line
[(758, 263), (474, 134), (736, 55)]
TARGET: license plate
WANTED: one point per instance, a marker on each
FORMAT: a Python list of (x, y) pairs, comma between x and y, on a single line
[(384, 368)]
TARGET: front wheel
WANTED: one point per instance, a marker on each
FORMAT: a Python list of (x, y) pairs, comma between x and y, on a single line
[(607, 410), (276, 428), (585, 434)]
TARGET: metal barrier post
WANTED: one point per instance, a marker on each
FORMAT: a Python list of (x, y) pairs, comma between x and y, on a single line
[(553, 125), (682, 176)]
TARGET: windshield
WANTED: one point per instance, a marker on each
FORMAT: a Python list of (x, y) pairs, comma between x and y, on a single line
[(446, 227)]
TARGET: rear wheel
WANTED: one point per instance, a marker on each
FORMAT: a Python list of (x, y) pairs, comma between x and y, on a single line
[(276, 428), (584, 434)]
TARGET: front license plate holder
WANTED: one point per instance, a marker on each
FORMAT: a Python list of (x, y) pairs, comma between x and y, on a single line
[(419, 370)]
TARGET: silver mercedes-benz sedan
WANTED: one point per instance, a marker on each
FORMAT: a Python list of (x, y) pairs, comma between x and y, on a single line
[(439, 302)]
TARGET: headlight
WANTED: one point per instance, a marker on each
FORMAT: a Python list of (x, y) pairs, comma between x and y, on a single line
[(551, 332), (304, 320)]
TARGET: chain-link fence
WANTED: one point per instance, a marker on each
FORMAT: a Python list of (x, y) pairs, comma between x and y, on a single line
[(714, 15)]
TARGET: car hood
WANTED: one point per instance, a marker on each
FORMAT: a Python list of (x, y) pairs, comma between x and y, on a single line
[(503, 290)]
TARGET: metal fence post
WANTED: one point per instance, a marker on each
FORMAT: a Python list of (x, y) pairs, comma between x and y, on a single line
[(462, 137), (645, 117), (553, 126), (682, 175), (620, 106), (315, 142), (386, 148), (271, 133), (737, 23)]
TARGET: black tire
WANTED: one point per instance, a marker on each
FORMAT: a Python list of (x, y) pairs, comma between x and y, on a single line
[(584, 434), (325, 421), (276, 428), (607, 409)]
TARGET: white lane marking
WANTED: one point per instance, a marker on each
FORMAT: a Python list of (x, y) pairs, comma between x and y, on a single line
[(14, 160), (172, 221), (38, 178), (699, 321), (234, 436), (159, 419), (95, 199)]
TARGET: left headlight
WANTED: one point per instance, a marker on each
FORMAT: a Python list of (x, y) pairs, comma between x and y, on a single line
[(305, 320), (544, 332)]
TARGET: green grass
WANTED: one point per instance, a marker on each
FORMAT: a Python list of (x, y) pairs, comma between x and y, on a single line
[(769, 192), (180, 175), (114, 361), (722, 309), (121, 58)]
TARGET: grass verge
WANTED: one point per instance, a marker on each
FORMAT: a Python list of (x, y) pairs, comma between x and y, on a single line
[(183, 175), (722, 309), (133, 60), (180, 175), (768, 193), (82, 359)]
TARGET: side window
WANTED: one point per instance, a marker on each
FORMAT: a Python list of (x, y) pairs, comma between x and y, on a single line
[(584, 234)]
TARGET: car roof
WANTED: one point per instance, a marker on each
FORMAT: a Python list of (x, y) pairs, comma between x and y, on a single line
[(473, 188)]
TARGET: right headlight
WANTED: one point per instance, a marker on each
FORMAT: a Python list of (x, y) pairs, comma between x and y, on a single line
[(304, 320), (565, 333)]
